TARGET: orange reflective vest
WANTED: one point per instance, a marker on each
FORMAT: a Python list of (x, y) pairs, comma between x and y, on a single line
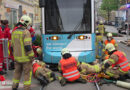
[(106, 42), (112, 41), (69, 69), (35, 67), (122, 61)]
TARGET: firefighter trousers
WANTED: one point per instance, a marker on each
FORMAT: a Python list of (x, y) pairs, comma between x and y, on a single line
[(45, 72), (115, 73), (26, 68), (88, 68)]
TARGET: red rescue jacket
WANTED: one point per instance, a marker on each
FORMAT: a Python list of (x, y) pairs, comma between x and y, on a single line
[(35, 67), (122, 61), (69, 69)]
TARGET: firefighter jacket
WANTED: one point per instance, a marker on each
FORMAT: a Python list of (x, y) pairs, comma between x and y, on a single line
[(101, 28), (69, 69), (5, 34), (122, 61), (20, 38), (36, 66), (118, 59)]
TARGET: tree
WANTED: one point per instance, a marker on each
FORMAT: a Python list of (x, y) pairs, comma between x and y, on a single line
[(109, 5), (103, 13)]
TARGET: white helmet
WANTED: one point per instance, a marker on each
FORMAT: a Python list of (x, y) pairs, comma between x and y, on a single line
[(109, 35), (64, 51), (110, 47), (97, 31), (25, 20), (35, 61)]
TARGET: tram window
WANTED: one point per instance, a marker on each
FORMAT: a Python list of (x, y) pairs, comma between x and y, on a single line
[(66, 16)]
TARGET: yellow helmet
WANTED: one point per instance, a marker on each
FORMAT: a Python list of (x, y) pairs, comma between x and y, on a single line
[(101, 22), (110, 47), (39, 51), (25, 20), (64, 51), (109, 34)]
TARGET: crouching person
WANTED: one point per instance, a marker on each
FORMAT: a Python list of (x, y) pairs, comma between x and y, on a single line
[(68, 67), (90, 68), (117, 64), (41, 73)]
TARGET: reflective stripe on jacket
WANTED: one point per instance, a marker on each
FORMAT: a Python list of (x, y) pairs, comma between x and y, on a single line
[(122, 61), (69, 69)]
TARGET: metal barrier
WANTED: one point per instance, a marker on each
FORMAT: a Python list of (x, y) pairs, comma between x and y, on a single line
[(5, 53)]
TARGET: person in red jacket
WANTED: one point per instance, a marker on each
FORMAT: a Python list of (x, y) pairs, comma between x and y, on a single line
[(4, 37), (68, 66), (32, 31)]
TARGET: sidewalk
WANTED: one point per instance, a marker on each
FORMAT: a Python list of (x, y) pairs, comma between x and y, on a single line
[(113, 29)]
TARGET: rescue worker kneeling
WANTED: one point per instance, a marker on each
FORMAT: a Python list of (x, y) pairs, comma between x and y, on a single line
[(90, 68), (68, 67), (117, 64), (42, 73)]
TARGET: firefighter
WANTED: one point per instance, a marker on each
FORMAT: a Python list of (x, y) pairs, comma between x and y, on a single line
[(87, 68), (4, 37), (21, 46), (99, 45), (42, 73), (68, 67), (117, 64), (101, 28), (109, 40)]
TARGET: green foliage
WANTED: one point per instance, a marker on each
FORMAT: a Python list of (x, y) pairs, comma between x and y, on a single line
[(102, 13), (110, 5), (38, 41)]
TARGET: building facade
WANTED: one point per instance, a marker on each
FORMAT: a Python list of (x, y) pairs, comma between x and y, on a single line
[(12, 10)]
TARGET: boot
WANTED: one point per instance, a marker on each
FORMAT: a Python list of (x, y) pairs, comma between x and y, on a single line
[(122, 77), (14, 89), (53, 75), (82, 80), (2, 72), (63, 82), (11, 66), (43, 80)]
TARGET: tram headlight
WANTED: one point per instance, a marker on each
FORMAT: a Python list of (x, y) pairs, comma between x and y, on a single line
[(82, 37), (54, 38)]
